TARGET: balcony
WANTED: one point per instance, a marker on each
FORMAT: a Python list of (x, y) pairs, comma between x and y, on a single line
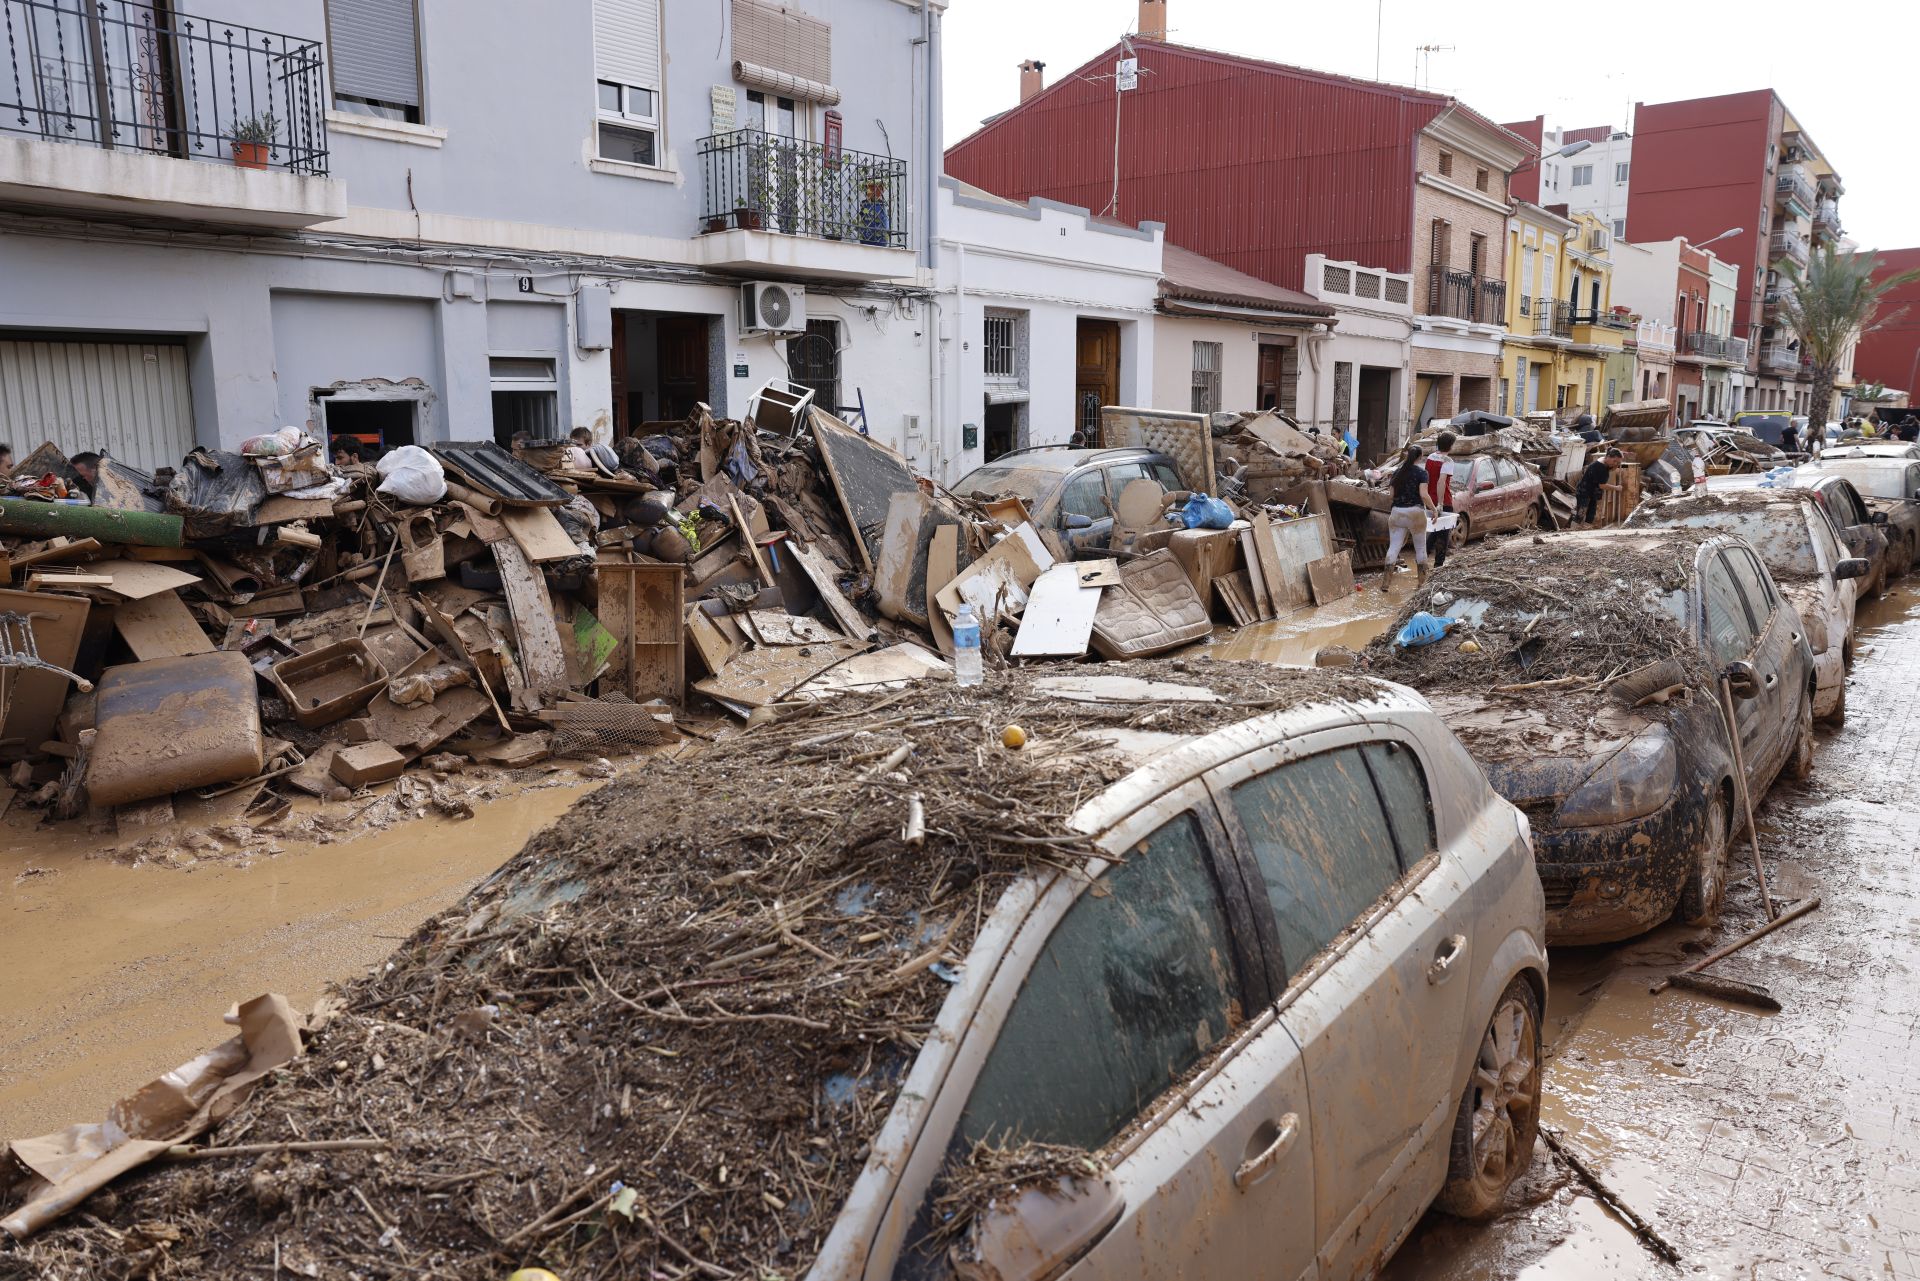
[(1466, 296), (1826, 220), (1652, 335), (1552, 318), (1779, 358), (1737, 350), (777, 202), (120, 105), (1790, 245), (1716, 347), (1792, 185)]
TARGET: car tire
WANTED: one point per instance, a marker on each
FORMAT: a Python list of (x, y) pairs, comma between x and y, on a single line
[(1464, 529), (1530, 519), (1846, 653), (1706, 883), (1837, 715), (1800, 764), (1499, 1116)]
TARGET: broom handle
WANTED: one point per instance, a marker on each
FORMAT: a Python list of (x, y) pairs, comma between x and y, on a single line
[(1793, 913), (1746, 796)]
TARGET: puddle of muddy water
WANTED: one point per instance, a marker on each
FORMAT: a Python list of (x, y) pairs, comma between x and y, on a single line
[(1293, 639), (116, 974)]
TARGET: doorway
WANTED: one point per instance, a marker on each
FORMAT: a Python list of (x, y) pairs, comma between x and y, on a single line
[(382, 425), (1096, 373), (1003, 430), (1373, 402), (662, 366), (1272, 375)]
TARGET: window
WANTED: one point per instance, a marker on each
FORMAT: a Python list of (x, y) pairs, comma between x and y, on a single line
[(1001, 356), (1206, 378), (1441, 241), (375, 49), (1480, 179), (1620, 172), (1477, 254), (813, 360), (1323, 845), (526, 397), (626, 64), (1754, 586), (1446, 164), (1583, 175), (1134, 986), (774, 115), (1085, 495), (1729, 634), (1613, 390), (1619, 228)]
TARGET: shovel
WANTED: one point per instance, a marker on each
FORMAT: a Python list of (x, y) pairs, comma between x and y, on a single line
[(1732, 989)]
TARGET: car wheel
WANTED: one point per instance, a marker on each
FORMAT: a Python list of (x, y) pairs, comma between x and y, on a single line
[(1837, 715), (1464, 530), (1499, 1117), (1530, 520), (1707, 879), (1846, 653), (1800, 764)]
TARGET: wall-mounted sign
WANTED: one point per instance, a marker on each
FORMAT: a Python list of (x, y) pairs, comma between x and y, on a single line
[(726, 102), (740, 364), (969, 436)]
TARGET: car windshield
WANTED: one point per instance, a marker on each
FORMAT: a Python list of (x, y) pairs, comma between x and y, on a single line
[(1778, 531), (1031, 485)]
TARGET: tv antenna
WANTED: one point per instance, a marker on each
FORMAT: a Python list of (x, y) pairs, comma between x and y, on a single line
[(1423, 61)]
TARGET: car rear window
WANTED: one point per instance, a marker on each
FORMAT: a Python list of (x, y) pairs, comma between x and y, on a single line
[(1323, 846), (1134, 986)]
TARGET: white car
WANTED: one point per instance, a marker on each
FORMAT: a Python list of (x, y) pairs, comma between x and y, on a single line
[(1869, 449), (1296, 1000), (1801, 549)]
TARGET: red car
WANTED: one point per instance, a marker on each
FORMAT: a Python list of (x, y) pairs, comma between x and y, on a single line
[(1493, 492)]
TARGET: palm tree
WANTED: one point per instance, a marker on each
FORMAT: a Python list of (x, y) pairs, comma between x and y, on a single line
[(1832, 303)]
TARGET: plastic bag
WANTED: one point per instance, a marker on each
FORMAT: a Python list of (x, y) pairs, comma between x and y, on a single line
[(1203, 512), (1422, 629), (273, 444), (412, 475)]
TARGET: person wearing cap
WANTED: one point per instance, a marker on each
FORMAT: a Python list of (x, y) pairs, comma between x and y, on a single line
[(1592, 480)]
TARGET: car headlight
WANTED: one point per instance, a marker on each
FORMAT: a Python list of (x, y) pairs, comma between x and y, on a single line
[(1633, 782)]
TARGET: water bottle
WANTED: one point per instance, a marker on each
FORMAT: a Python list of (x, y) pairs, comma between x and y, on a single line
[(966, 647)]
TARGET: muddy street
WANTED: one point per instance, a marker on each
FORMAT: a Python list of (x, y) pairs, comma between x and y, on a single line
[(1757, 1145)]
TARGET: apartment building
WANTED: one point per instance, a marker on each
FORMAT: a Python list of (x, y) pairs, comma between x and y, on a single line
[(1672, 283), (353, 215), (1890, 355), (1593, 180), (1740, 171), (1232, 154)]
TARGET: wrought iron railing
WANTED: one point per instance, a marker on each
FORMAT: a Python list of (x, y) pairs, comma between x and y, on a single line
[(764, 182), (1552, 317), (1796, 187), (1779, 356), (128, 76), (1465, 296), (1788, 244), (1702, 343), (1600, 316)]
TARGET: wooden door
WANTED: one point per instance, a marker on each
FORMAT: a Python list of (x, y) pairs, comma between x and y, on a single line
[(1273, 364), (1096, 374), (682, 353)]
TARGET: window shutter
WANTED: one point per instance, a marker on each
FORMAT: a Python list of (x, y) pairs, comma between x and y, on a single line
[(376, 50), (626, 42), (768, 38)]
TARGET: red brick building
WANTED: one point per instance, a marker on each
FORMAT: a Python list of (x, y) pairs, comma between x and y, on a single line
[(1891, 353), (1689, 317), (1257, 165), (1742, 160)]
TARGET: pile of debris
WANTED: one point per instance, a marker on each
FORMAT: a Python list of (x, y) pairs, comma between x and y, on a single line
[(664, 1036)]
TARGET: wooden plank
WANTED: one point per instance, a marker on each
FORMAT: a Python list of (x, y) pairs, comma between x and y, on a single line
[(543, 658), (1058, 622), (1232, 592), (900, 548), (160, 626), (777, 627), (280, 509), (1296, 544), (753, 548), (1260, 599), (136, 579), (761, 676), (865, 475), (641, 605), (59, 549), (66, 579), (713, 645), (1332, 577), (821, 573), (537, 531), (1267, 552), (943, 556)]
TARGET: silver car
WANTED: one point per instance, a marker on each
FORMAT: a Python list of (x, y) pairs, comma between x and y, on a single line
[(1297, 1001)]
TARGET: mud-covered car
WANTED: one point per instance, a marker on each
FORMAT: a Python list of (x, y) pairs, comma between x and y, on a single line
[(1890, 485), (1070, 489), (1795, 538), (1582, 670)]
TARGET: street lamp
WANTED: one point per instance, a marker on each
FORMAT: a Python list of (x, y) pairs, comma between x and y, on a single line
[(1571, 149), (1731, 231)]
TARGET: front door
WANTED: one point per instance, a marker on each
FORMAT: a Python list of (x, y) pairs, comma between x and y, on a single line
[(1272, 372), (682, 352), (1096, 373), (1376, 391), (1376, 995)]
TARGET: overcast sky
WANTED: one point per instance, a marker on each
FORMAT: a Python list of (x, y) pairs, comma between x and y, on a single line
[(1845, 68)]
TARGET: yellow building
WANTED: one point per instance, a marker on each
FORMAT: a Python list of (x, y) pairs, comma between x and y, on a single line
[(1562, 331)]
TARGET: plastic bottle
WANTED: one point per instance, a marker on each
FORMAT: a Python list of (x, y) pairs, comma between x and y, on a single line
[(966, 647)]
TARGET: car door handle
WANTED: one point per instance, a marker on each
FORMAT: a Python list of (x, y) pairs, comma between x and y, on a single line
[(1772, 680), (1450, 950), (1251, 1169)]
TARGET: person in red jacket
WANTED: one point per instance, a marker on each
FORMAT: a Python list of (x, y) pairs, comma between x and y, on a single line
[(1440, 474)]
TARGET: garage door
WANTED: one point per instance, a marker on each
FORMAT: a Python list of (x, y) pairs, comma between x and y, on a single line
[(127, 399)]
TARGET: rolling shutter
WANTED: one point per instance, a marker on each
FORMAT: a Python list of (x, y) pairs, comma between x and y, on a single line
[(376, 50), (626, 42), (775, 48), (127, 399)]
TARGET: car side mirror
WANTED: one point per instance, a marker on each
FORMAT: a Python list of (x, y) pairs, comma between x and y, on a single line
[(1852, 567), (1039, 1232), (1483, 486), (1079, 522), (1880, 518), (1743, 680)]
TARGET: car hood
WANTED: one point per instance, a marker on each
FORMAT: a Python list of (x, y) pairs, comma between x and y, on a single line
[(1533, 755)]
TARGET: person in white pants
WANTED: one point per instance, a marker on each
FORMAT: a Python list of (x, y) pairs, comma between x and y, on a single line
[(1408, 518)]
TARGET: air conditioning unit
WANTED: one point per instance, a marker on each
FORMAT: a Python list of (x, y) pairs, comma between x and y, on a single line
[(772, 307), (1597, 238)]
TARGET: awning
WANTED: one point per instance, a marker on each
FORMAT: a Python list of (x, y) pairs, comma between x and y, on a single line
[(789, 86)]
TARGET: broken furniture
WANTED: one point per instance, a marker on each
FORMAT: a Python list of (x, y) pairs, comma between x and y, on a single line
[(170, 724)]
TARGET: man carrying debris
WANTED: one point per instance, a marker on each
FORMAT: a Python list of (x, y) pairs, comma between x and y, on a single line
[(1440, 474), (1592, 481), (1408, 517)]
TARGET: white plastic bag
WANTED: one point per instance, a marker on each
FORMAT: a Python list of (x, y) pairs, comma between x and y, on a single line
[(412, 475)]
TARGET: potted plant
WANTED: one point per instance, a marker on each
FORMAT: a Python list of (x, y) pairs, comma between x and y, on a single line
[(252, 138), (875, 220)]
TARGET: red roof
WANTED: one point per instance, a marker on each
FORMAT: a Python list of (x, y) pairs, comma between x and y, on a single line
[(1193, 277)]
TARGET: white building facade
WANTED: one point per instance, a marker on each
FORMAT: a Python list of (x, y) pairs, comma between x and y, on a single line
[(1594, 180)]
